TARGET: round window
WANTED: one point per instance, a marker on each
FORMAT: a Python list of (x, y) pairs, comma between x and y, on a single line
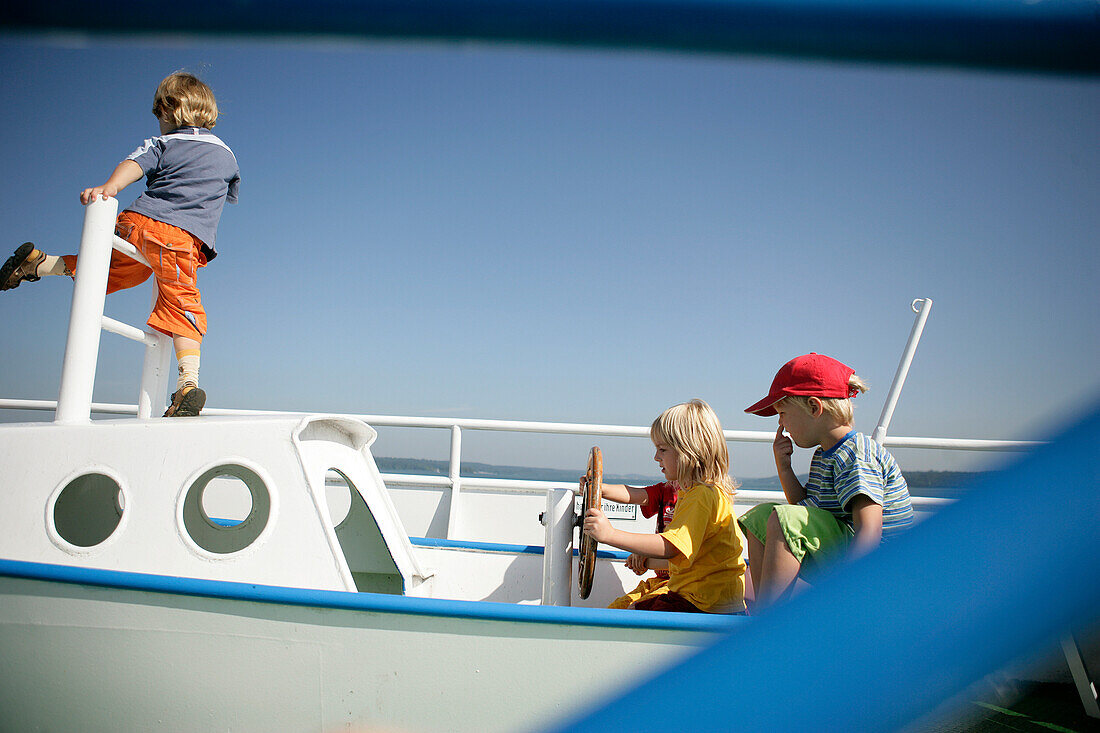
[(212, 509), (88, 510)]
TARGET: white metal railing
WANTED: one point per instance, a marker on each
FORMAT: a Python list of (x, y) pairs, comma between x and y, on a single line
[(455, 482), (922, 307), (86, 321), (558, 516), (526, 426)]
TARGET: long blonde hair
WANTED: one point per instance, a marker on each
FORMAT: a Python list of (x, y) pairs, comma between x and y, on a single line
[(693, 431), (182, 99)]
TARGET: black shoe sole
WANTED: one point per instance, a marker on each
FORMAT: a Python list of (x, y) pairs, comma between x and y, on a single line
[(190, 404), (21, 254)]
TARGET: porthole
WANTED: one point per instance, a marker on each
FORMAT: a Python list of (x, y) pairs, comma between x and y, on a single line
[(227, 500), (88, 510), (233, 528)]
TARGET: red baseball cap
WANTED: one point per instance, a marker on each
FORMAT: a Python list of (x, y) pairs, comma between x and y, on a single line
[(810, 375)]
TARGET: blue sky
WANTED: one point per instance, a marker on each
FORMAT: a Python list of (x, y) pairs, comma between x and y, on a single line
[(468, 230)]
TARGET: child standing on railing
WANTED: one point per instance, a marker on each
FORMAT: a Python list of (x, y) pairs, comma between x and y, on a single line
[(702, 543), (855, 496), (190, 174)]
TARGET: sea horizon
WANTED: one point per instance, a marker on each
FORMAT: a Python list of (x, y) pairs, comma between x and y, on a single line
[(938, 484)]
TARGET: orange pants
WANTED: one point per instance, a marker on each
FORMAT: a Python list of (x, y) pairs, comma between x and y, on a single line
[(175, 256)]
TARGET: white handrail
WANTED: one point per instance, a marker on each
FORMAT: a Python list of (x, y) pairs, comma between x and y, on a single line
[(894, 393), (128, 249), (74, 398), (742, 436), (518, 486), (531, 486), (125, 330), (86, 322), (454, 477)]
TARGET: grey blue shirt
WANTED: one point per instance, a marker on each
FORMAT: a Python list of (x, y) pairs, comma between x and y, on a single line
[(189, 175), (859, 465)]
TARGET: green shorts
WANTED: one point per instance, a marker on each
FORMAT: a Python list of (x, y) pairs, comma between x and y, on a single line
[(814, 535)]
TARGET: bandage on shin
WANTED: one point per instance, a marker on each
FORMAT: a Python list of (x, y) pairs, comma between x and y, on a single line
[(188, 360)]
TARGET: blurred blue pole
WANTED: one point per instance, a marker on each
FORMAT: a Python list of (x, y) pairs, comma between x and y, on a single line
[(1038, 35)]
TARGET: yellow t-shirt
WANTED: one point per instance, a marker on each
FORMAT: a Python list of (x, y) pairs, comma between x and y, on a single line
[(709, 570)]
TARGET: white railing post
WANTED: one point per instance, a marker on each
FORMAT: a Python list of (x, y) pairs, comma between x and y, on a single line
[(158, 355), (154, 374), (922, 310), (454, 473), (74, 400), (557, 553)]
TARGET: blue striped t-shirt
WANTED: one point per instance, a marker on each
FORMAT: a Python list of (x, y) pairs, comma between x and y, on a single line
[(859, 465)]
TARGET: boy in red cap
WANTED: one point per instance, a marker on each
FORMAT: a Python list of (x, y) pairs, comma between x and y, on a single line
[(855, 497)]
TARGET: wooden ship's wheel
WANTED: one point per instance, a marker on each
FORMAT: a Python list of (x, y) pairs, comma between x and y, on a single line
[(591, 491)]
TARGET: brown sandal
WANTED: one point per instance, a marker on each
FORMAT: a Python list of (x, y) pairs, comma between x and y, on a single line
[(187, 401), (22, 265)]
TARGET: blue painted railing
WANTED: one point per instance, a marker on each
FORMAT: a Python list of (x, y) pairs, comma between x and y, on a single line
[(376, 602), (1053, 35)]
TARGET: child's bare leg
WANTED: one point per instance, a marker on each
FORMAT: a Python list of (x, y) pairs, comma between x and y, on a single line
[(750, 593), (756, 559), (780, 566), (30, 264)]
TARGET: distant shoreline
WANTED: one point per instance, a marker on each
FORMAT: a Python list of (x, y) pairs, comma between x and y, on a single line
[(925, 483)]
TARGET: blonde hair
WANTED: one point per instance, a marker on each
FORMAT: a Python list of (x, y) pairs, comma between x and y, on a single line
[(840, 409), (692, 430), (182, 100)]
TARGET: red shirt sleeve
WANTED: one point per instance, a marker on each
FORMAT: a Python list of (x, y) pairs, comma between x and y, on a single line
[(658, 494)]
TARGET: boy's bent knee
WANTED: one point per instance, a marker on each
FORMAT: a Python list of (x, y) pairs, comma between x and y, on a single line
[(776, 532), (754, 522)]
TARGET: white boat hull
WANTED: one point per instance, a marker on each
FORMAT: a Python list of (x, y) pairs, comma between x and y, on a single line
[(236, 657)]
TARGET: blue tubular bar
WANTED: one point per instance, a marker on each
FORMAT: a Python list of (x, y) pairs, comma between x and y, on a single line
[(367, 602), (998, 576), (1042, 35), (497, 547)]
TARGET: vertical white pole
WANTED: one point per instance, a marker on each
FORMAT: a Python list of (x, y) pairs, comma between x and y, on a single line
[(557, 554), (154, 370), (922, 307), (456, 484), (74, 401), (154, 374)]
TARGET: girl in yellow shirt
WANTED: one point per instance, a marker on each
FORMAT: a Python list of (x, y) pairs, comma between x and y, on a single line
[(703, 543)]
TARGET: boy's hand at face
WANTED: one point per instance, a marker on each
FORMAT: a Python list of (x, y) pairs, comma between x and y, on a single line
[(597, 525), (783, 448), (637, 563)]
